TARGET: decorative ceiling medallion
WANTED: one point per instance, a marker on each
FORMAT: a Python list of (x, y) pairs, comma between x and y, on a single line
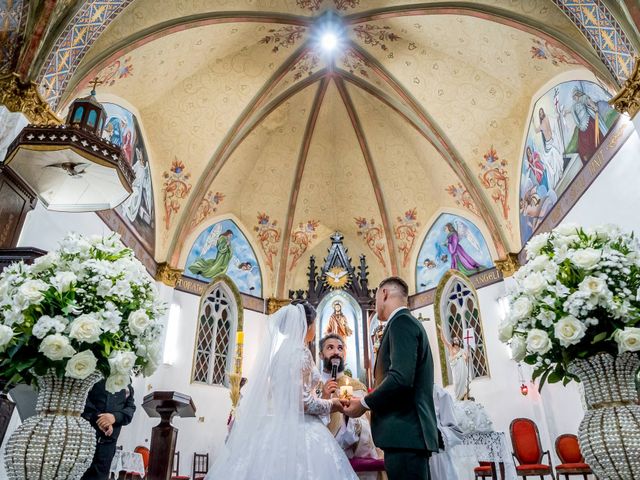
[(175, 188), (373, 236), (268, 233), (283, 37), (337, 278), (301, 238), (71, 167), (405, 232), (463, 198), (494, 176), (207, 207)]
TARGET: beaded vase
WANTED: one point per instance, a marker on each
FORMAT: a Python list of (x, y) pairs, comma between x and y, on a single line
[(56, 443), (609, 433)]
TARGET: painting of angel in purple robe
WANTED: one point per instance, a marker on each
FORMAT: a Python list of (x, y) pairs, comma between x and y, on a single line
[(453, 242)]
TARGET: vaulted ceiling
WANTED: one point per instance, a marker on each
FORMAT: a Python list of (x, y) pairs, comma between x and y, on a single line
[(424, 107)]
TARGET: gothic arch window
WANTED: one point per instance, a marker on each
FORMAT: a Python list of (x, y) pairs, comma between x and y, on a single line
[(459, 314), (216, 336)]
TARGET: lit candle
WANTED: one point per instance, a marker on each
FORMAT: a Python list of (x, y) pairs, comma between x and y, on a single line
[(346, 391), (240, 337)]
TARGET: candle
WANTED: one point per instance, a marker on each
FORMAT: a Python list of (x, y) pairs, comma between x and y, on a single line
[(346, 391), (240, 337)]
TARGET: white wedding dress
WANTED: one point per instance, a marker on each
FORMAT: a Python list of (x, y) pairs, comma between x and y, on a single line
[(279, 431)]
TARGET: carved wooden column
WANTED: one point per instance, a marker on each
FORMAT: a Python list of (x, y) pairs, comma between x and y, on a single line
[(16, 200)]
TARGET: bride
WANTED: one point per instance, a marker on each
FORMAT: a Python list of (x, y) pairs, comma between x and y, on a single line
[(278, 432)]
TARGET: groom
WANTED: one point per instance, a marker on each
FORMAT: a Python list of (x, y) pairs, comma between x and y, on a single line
[(403, 418)]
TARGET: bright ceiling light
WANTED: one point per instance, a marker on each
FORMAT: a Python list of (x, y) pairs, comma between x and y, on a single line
[(329, 41)]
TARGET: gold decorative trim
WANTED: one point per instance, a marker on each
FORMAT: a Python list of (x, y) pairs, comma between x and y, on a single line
[(168, 275), (508, 265), (25, 98), (627, 100), (275, 304)]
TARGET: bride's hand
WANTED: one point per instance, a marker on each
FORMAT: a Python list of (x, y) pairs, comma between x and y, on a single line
[(336, 405)]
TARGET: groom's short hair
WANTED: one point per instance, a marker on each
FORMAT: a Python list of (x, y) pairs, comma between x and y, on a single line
[(328, 337), (396, 282)]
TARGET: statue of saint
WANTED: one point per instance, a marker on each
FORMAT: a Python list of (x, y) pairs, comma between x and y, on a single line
[(338, 323)]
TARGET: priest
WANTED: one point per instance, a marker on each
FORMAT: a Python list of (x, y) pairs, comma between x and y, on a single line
[(353, 434)]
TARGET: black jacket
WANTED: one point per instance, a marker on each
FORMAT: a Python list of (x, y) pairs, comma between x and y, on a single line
[(402, 411), (120, 404)]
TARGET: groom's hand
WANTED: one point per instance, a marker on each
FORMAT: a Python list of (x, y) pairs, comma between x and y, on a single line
[(336, 405), (329, 389), (354, 408)]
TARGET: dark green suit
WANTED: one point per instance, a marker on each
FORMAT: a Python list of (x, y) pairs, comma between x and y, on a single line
[(403, 418)]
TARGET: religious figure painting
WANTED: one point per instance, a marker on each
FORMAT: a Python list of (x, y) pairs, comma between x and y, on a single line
[(339, 313), (567, 125), (138, 210), (452, 242), (222, 249)]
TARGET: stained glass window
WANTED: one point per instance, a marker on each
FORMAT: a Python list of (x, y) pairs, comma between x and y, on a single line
[(215, 348), (462, 316)]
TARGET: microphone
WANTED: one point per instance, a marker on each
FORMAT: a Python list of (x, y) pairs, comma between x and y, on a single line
[(335, 363)]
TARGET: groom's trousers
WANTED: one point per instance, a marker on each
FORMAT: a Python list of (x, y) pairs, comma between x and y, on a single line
[(403, 464)]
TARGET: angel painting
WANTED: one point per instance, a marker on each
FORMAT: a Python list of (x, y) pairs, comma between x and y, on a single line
[(211, 268), (460, 259)]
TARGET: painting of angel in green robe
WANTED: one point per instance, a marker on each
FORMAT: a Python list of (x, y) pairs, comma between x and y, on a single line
[(222, 249), (211, 268)]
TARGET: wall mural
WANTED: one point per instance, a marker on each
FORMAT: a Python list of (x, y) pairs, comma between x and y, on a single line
[(567, 125), (453, 242), (220, 249), (138, 210)]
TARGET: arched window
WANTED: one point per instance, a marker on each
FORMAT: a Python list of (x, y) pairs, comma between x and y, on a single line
[(459, 314), (216, 336), (93, 116)]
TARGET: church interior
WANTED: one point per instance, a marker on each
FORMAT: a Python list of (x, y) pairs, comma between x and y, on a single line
[(252, 152)]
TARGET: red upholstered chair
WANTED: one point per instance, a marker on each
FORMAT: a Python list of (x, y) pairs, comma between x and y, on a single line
[(144, 451), (569, 453), (175, 469), (485, 470), (527, 451), (361, 464)]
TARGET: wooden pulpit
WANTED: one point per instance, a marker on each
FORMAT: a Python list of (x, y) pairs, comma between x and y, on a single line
[(165, 405)]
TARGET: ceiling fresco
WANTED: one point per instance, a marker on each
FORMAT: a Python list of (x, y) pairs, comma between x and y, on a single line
[(422, 110)]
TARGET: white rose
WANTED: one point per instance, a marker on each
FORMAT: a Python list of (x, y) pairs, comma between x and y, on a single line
[(538, 341), (535, 244), (586, 258), (85, 328), (138, 322), (569, 330), (43, 263), (81, 365), (32, 290), (56, 347), (6, 334), (593, 286), (518, 348), (62, 281), (122, 362), (520, 309), (116, 382), (534, 283), (505, 331), (566, 229), (628, 339)]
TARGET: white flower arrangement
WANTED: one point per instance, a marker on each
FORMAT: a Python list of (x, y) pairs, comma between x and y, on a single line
[(578, 294), (88, 306)]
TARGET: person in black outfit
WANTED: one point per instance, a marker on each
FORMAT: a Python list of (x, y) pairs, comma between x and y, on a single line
[(107, 413)]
